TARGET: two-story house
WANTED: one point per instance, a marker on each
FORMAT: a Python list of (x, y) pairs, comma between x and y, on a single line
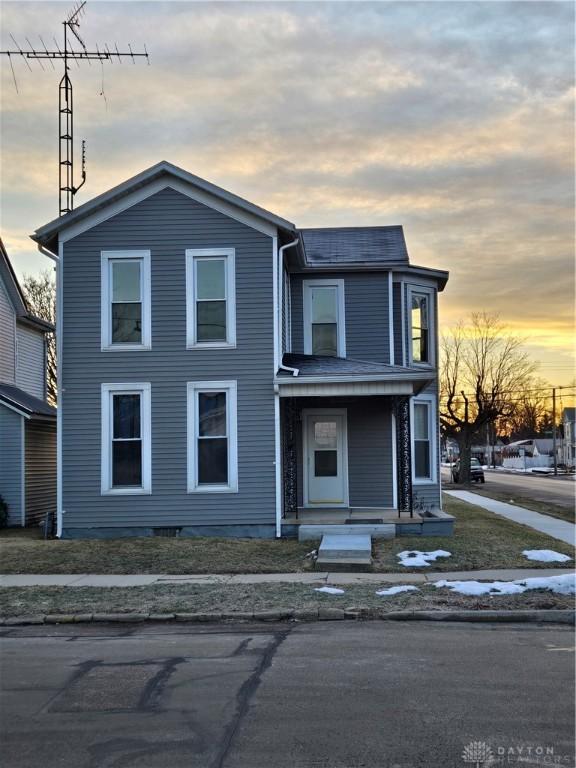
[(27, 421), (225, 373)]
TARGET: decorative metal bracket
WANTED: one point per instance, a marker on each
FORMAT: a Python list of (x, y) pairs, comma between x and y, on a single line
[(290, 478), (404, 457)]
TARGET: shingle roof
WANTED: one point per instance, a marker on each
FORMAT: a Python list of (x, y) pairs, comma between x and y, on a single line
[(22, 401), (319, 365), (353, 245)]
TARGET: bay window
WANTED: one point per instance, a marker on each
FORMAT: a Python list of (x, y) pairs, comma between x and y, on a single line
[(423, 439)]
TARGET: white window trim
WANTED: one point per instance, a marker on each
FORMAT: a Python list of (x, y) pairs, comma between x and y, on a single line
[(307, 286), (193, 389), (106, 298), (430, 401), (429, 292), (144, 390), (230, 255)]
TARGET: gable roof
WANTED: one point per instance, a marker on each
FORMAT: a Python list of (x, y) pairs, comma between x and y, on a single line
[(353, 245), (16, 294), (47, 235)]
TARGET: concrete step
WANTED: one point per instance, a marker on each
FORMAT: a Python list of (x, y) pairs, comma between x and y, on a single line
[(348, 550), (377, 531)]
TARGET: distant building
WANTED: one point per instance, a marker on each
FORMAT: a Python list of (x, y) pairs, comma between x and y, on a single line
[(568, 450)]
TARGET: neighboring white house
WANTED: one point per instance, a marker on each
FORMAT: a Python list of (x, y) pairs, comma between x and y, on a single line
[(27, 421), (568, 455)]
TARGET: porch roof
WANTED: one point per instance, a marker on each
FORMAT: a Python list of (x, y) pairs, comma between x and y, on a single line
[(329, 374), (27, 405)]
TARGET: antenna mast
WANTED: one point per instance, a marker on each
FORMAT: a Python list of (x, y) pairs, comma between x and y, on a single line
[(71, 24)]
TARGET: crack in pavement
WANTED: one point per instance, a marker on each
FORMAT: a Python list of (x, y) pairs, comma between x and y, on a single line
[(245, 694)]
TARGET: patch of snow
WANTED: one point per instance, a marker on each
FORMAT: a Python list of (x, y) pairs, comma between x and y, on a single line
[(561, 585), (329, 590), (397, 590), (413, 557), (482, 587), (312, 554), (545, 556)]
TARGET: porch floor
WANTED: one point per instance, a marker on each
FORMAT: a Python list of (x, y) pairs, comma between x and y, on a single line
[(339, 515)]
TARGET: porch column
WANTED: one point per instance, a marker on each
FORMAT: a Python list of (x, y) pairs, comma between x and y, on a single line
[(289, 478), (404, 457)]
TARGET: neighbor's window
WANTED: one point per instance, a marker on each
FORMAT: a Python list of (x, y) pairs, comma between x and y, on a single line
[(126, 438), (125, 299), (324, 332), (210, 306), (212, 441), (420, 328), (422, 440)]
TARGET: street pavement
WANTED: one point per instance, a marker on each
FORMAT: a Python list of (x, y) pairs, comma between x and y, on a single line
[(559, 490), (324, 695)]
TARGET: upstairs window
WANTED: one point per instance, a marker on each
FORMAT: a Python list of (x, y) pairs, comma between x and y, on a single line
[(420, 328), (324, 332), (126, 438), (125, 300), (210, 304)]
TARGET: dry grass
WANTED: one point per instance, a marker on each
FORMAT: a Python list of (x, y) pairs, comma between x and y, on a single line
[(481, 540), (250, 597)]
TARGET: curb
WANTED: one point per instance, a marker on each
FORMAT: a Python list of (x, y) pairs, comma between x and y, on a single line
[(353, 613)]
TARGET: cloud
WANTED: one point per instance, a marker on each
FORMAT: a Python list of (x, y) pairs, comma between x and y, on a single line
[(454, 119)]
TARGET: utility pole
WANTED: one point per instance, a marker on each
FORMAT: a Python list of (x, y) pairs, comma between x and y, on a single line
[(67, 54), (554, 431)]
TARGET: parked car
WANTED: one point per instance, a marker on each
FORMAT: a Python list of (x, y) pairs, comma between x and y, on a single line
[(476, 471)]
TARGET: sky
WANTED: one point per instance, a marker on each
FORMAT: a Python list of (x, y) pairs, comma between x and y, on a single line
[(453, 119)]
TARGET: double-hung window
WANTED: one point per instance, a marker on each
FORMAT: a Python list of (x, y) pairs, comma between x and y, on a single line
[(423, 437), (210, 298), (126, 428), (324, 330), (420, 325), (125, 311), (212, 437)]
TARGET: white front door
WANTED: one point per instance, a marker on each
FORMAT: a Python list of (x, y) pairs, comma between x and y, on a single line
[(326, 470)]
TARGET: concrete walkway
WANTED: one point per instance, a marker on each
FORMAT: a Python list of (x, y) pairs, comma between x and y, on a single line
[(144, 580), (558, 529)]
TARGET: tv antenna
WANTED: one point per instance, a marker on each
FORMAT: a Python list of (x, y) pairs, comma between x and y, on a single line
[(67, 54)]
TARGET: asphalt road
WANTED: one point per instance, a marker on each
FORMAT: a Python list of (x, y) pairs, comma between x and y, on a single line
[(323, 695), (555, 490)]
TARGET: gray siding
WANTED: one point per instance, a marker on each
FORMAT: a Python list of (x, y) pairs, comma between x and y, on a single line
[(11, 463), (7, 336), (168, 223), (40, 457), (30, 369), (366, 311), (369, 449)]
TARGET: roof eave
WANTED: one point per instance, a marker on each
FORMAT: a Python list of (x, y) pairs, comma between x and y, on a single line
[(47, 234)]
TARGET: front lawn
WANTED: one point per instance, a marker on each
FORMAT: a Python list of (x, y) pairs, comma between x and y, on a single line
[(481, 540)]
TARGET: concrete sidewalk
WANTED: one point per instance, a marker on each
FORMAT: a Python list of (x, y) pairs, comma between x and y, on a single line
[(324, 577), (558, 529)]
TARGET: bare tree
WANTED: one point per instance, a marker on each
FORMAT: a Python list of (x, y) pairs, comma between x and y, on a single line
[(40, 293), (482, 370), (532, 415)]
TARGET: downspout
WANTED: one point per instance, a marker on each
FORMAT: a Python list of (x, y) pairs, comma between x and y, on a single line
[(280, 276), (57, 260)]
